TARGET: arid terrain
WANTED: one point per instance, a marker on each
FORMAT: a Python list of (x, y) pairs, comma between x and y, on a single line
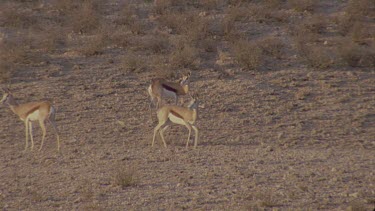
[(287, 86)]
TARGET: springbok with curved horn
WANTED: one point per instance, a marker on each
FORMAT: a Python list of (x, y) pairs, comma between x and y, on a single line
[(178, 115), (161, 88), (33, 111)]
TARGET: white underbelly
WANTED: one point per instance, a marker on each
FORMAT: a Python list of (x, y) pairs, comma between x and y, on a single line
[(176, 119), (34, 116)]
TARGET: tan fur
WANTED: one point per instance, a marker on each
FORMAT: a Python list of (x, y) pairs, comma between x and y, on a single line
[(177, 115), (161, 88), (33, 111)]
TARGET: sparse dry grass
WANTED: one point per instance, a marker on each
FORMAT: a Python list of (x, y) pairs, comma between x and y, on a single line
[(315, 56), (133, 63), (355, 55), (302, 5), (84, 18), (248, 54), (272, 46), (125, 176), (13, 15), (157, 44), (295, 111), (184, 56), (360, 7), (14, 50)]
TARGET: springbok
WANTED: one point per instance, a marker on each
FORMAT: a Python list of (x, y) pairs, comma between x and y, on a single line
[(160, 88), (178, 115), (30, 112)]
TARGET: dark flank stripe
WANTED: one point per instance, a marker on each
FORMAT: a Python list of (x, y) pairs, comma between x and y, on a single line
[(169, 88), (176, 114), (32, 110)]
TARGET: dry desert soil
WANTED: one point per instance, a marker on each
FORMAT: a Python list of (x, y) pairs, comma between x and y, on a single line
[(281, 128)]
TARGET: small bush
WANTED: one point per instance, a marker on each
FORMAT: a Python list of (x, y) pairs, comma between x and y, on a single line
[(6, 70), (360, 32), (228, 26), (85, 18), (272, 46), (14, 50), (13, 16), (198, 27), (162, 6), (247, 54), (360, 7), (184, 56), (158, 44), (65, 6), (133, 63), (209, 45), (355, 55), (174, 21), (125, 176), (211, 4), (302, 5), (316, 57), (314, 24), (238, 13), (92, 45), (273, 4), (120, 38)]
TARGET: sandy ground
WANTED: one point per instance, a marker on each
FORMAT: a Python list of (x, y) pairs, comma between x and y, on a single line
[(294, 138)]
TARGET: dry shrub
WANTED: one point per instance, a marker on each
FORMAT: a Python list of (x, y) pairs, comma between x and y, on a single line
[(236, 2), (360, 32), (49, 39), (360, 7), (314, 24), (345, 23), (133, 63), (174, 21), (84, 18), (303, 35), (137, 27), (238, 13), (92, 45), (356, 55), (211, 4), (125, 176), (6, 69), (357, 205), (14, 50), (189, 23), (158, 44), (198, 28), (267, 199), (315, 56), (271, 46), (119, 38), (13, 15), (184, 56), (247, 54), (273, 4), (228, 26), (127, 15), (65, 6), (302, 5), (166, 6), (209, 45), (162, 6)]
